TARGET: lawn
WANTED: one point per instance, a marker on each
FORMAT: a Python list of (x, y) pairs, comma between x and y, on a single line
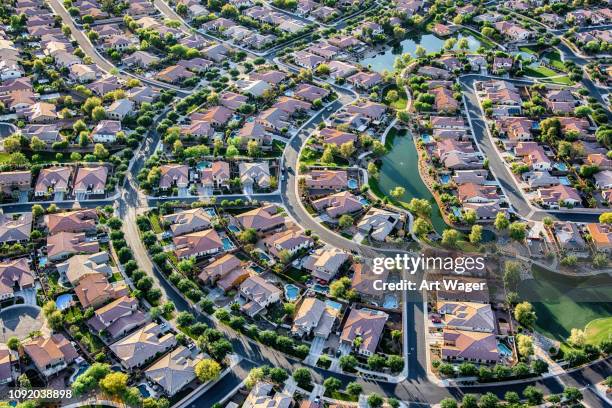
[(155, 225), (528, 50), (297, 275), (546, 74), (400, 103), (342, 396), (555, 60), (562, 303), (599, 330)]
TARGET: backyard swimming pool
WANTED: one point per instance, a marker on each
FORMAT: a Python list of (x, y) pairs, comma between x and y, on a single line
[(352, 183), (364, 201), (203, 165), (227, 244), (211, 212), (291, 292), (42, 261), (320, 288), (334, 305), (233, 228), (63, 301), (144, 390), (503, 350)]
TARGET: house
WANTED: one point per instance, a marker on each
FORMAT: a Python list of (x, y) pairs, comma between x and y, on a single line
[(15, 275), (94, 290), (106, 131), (484, 211), (255, 88), (64, 244), (15, 181), (314, 316), (81, 73), (46, 133), (365, 80), (272, 77), (291, 106), (515, 128), (105, 85), (371, 110), (339, 69), (600, 160), (50, 354), (217, 116), (327, 180), (216, 176), (603, 179), (502, 93), (52, 180), (274, 120), (174, 74), (173, 175), (259, 294), (79, 266), (467, 316), (441, 30), (227, 272), (378, 223), (72, 221), (15, 228), (477, 193), (502, 65), (174, 370), (307, 60), (434, 72), (470, 176), (254, 174), (141, 59), (336, 137), (262, 219), (232, 100), (198, 128), (324, 263), (363, 281), (117, 318), (558, 196), (186, 221), (534, 155), (90, 180), (537, 179), (568, 238), (445, 101), (142, 94), (446, 122), (338, 204), (40, 112), (291, 240), (253, 131), (601, 236), (259, 397), (142, 345), (6, 370), (310, 93), (367, 325), (466, 345), (197, 244), (120, 109), (512, 31)]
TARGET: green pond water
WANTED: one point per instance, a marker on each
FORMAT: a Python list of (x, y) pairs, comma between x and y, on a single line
[(562, 303), (430, 42), (400, 168)]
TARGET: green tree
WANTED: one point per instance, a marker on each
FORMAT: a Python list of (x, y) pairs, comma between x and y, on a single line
[(501, 221), (476, 234), (345, 221), (302, 377), (207, 370), (114, 383), (524, 314), (375, 401), (332, 384), (450, 237)]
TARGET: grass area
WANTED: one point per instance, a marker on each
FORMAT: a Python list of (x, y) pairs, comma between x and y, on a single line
[(528, 50), (342, 396), (539, 72), (297, 275), (311, 157), (116, 277), (554, 57), (401, 102), (599, 330), (92, 342), (155, 224), (562, 303)]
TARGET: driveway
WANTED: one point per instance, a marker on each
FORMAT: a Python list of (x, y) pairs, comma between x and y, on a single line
[(315, 350)]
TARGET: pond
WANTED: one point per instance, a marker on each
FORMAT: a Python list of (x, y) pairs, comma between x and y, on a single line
[(430, 42), (400, 168), (562, 302)]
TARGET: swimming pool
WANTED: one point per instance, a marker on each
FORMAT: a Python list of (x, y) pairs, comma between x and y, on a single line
[(364, 201), (426, 138), (503, 350), (42, 261), (320, 288), (144, 390), (445, 178), (560, 166), (333, 304), (227, 243), (352, 184), (257, 268), (390, 301), (63, 301), (565, 181), (211, 212), (291, 292), (264, 257), (203, 165), (233, 228)]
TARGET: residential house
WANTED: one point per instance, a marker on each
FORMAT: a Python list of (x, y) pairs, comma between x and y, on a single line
[(259, 294), (601, 236), (80, 266), (314, 316), (90, 180), (15, 181), (226, 272), (106, 131), (64, 244), (364, 278), (603, 179), (327, 180), (310, 92), (119, 109), (477, 193), (50, 354), (338, 204), (216, 176), (118, 318), (197, 244), (336, 137), (378, 223), (174, 175), (141, 346), (94, 290), (560, 195), (569, 239), (262, 219), (325, 263), (254, 174), (52, 180), (367, 325), (467, 316), (15, 227), (291, 240), (186, 221), (15, 275), (174, 74), (72, 221), (463, 345), (81, 73), (174, 370)]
